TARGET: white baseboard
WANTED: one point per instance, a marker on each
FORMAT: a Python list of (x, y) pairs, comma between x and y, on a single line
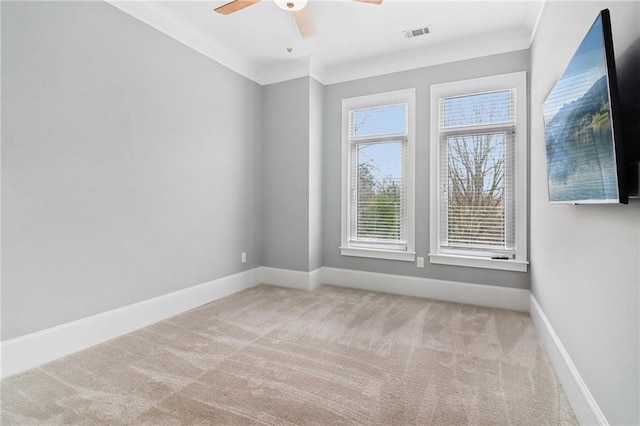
[(450, 291), (584, 405), (289, 278), (32, 350), (315, 278)]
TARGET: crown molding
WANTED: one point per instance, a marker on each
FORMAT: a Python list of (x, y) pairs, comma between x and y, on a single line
[(537, 22), (290, 70), (284, 71), (428, 56), (152, 14)]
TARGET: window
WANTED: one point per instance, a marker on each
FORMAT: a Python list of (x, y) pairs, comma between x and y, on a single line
[(377, 176), (478, 173)]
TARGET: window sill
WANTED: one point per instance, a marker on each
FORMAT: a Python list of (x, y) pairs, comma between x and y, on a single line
[(479, 262), (378, 254)]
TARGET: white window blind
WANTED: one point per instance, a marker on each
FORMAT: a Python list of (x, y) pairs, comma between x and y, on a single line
[(378, 162), (378, 179), (477, 163)]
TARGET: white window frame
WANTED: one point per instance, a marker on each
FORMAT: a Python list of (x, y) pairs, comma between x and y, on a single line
[(517, 81), (406, 96)]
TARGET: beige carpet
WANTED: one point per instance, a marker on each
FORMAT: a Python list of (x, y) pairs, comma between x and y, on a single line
[(278, 356)]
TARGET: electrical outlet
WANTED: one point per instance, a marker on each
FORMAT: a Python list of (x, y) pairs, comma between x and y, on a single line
[(420, 262), (243, 257)]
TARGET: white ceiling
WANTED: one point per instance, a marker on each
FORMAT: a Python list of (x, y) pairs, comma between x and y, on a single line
[(353, 40)]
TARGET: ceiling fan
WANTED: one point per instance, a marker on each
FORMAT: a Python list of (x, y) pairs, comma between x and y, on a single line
[(299, 8)]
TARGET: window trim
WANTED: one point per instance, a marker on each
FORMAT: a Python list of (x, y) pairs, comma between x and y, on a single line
[(405, 96), (517, 80)]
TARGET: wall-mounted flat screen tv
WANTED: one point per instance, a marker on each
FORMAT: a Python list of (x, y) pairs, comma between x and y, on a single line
[(582, 131)]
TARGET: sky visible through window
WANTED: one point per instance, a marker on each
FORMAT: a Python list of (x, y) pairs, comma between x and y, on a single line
[(383, 158), (386, 120)]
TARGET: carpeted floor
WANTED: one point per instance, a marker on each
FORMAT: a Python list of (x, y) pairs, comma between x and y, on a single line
[(333, 356)]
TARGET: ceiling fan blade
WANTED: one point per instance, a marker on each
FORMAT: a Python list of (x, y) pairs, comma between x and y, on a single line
[(306, 26), (370, 1), (234, 6)]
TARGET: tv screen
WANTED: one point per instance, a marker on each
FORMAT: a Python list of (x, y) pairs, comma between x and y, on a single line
[(581, 125)]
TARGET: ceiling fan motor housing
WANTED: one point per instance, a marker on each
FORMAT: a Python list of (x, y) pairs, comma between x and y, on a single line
[(291, 5)]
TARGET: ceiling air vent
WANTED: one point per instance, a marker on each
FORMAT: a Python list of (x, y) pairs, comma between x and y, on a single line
[(416, 32)]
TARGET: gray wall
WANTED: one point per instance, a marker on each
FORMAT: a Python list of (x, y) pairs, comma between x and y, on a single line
[(585, 259), (130, 164), (316, 114), (292, 174), (285, 175), (421, 79)]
